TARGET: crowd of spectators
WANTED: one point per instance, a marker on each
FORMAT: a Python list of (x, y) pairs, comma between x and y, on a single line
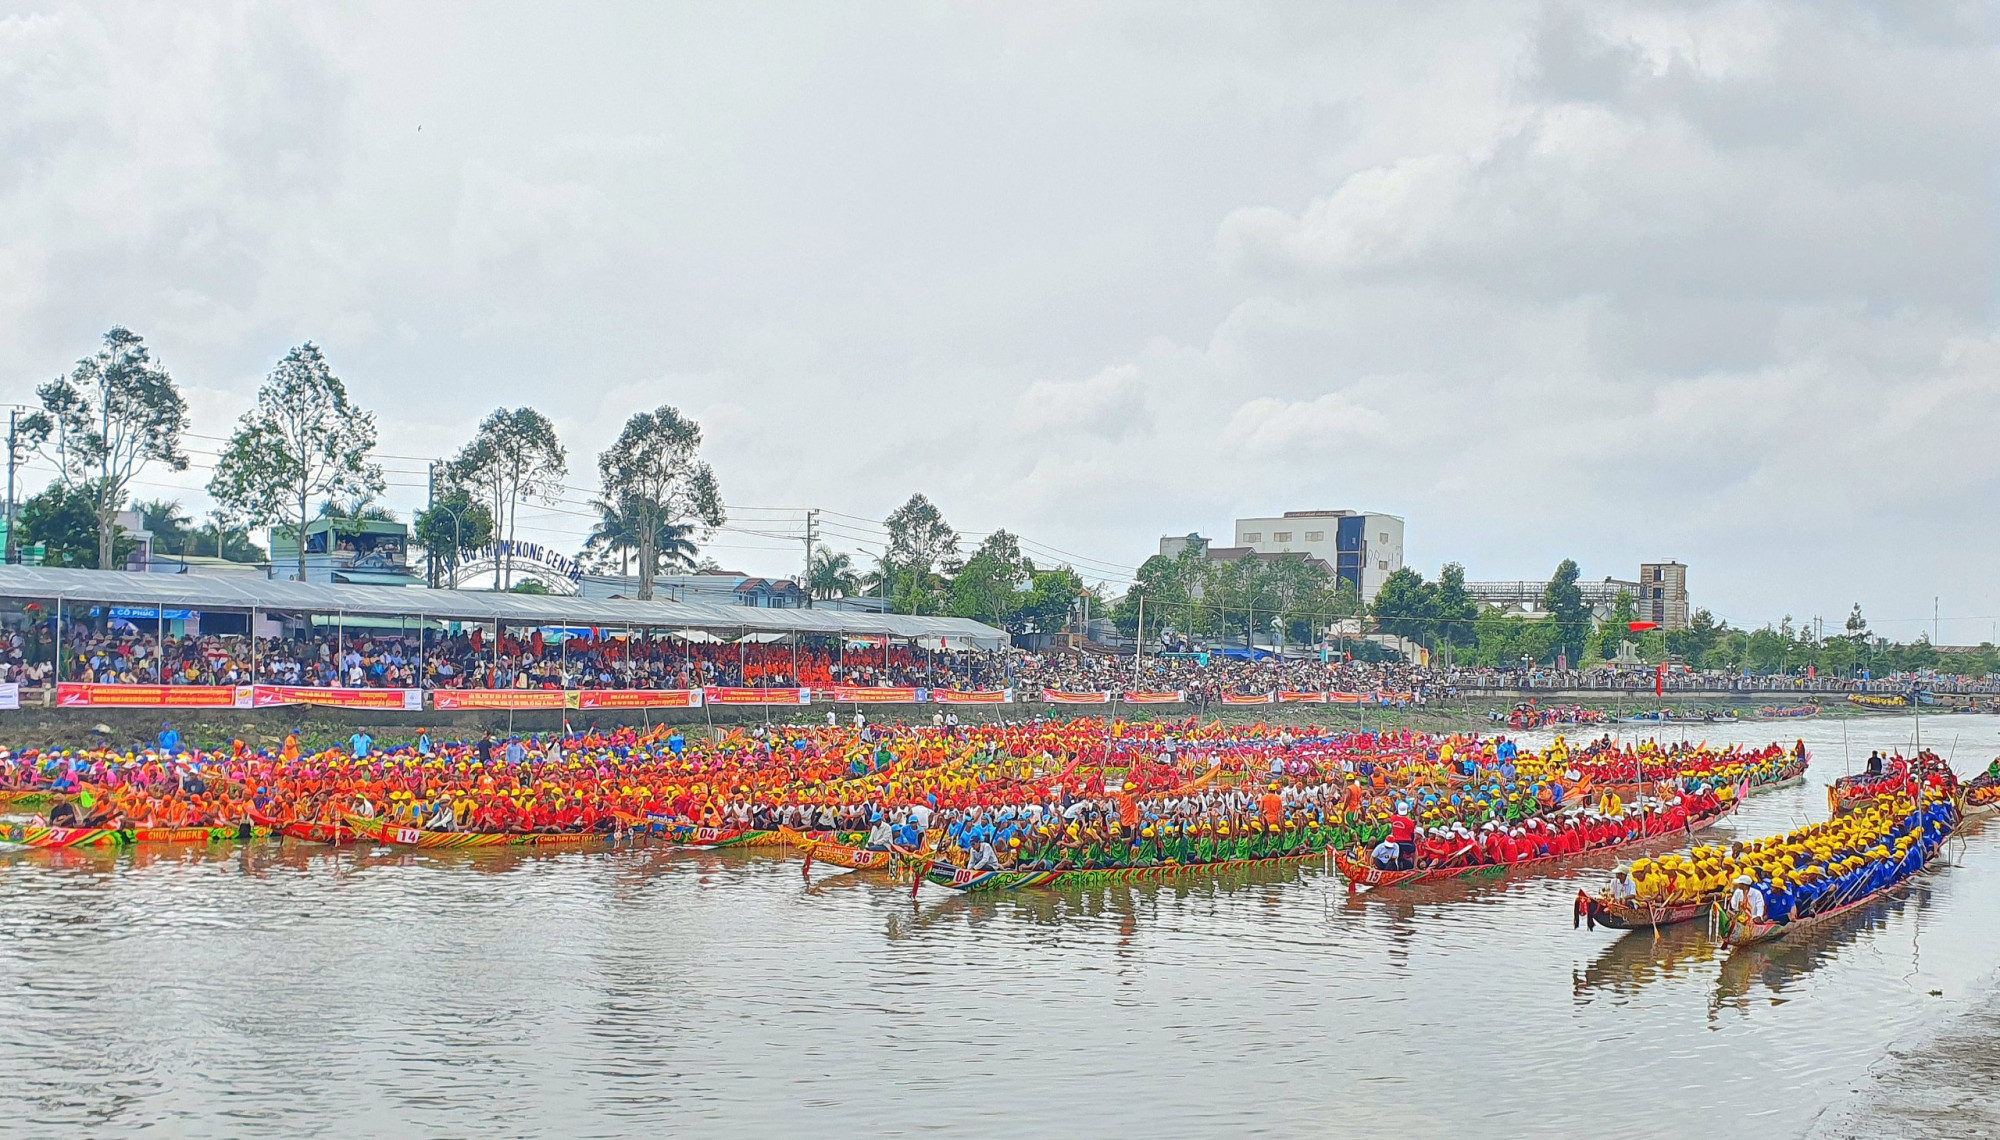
[(127, 654)]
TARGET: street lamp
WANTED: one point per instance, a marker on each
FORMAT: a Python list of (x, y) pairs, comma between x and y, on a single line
[(457, 538)]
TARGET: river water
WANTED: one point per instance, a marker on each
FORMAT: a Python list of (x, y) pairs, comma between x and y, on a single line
[(281, 990)]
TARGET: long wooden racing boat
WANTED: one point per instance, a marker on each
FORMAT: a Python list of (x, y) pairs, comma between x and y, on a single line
[(1982, 797), (45, 835), (1362, 875), (1754, 933), (957, 878), (1790, 776), (831, 850), (399, 835), (1599, 911)]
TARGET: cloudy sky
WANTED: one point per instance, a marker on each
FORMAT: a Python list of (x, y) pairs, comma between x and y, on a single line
[(1714, 282)]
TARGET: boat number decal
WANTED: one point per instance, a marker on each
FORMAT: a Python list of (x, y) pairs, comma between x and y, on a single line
[(704, 834), (404, 835), (962, 877)]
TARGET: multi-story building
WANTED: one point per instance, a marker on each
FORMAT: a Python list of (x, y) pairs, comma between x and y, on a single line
[(360, 552), (1362, 547), (1663, 594)]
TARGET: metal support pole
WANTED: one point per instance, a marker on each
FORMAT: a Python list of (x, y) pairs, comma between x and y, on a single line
[(13, 456)]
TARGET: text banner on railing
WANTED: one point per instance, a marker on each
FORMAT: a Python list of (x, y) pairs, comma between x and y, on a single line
[(1291, 696), (266, 696), (1169, 697), (972, 696), (638, 698), (1344, 698), (733, 696), (1059, 697), (873, 695), (448, 700), (1246, 698), (10, 695), (72, 695)]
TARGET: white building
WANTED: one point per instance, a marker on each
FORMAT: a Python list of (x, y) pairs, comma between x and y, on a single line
[(1362, 547)]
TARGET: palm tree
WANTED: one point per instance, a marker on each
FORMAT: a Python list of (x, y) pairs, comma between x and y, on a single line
[(617, 534), (832, 575)]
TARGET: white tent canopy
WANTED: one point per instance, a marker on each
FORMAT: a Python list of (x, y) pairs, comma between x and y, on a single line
[(244, 593)]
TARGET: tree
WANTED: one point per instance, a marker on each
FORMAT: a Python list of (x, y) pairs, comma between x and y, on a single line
[(1049, 600), (1454, 606), (302, 442), (988, 586), (1563, 600), (920, 539), (1694, 644), (1618, 628), (115, 414), (654, 474), (1857, 626), (454, 523), (64, 520), (168, 524), (1405, 605), (832, 575), (619, 533), (514, 455)]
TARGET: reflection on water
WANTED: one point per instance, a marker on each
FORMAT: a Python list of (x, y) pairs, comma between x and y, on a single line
[(278, 989)]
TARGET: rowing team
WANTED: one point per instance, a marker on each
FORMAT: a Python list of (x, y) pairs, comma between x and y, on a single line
[(1407, 847)]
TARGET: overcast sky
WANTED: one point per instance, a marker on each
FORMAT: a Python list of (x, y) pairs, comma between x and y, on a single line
[(1712, 282)]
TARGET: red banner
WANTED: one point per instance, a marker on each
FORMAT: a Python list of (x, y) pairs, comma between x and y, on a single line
[(722, 696), (1289, 696), (973, 696), (1344, 698), (450, 699), (874, 695), (70, 695), (1170, 697), (265, 696), (1058, 697), (639, 699), (1246, 698)]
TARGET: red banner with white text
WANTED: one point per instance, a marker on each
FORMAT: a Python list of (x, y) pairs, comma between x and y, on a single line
[(732, 696), (973, 696), (1290, 696), (638, 698), (1058, 697), (1169, 697), (448, 700), (266, 696), (72, 695), (1246, 698), (873, 695)]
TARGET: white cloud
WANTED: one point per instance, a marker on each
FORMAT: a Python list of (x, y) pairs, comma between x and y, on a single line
[(1609, 281)]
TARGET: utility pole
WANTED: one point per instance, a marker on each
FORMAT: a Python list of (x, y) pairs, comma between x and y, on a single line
[(812, 522), (1934, 619), (430, 504), (13, 457)]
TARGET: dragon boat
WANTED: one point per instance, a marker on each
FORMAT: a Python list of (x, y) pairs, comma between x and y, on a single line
[(47, 835), (1362, 875), (1751, 933), (1597, 911), (827, 848), (1982, 797), (954, 877), (394, 834), (1790, 776)]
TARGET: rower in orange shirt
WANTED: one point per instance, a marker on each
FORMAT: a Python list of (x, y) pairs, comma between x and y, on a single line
[(1273, 806)]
